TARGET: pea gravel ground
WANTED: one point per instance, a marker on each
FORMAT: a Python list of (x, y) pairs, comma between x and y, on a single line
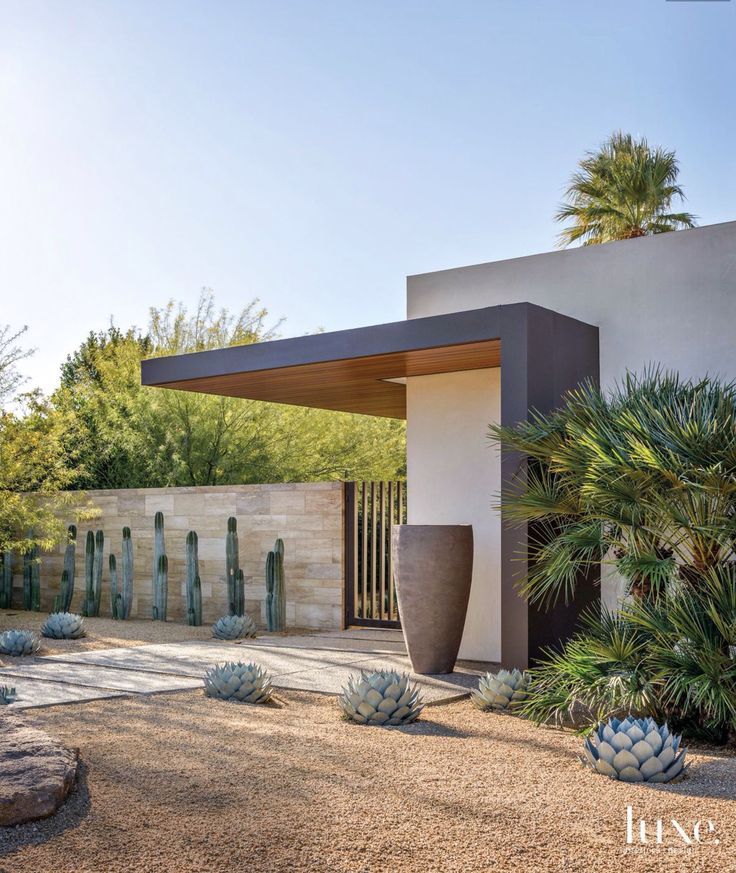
[(176, 782), (104, 633)]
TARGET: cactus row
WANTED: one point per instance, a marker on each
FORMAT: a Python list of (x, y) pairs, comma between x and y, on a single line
[(121, 590), (275, 595)]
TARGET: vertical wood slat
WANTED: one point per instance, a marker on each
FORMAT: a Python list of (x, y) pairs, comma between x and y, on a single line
[(382, 551), (373, 552), (351, 553), (354, 537), (371, 509), (364, 551), (390, 570)]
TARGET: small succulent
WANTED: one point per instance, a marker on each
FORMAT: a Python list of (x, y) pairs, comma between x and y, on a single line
[(63, 626), (233, 627), (635, 750), (382, 698), (7, 695), (499, 691), (244, 683), (19, 642)]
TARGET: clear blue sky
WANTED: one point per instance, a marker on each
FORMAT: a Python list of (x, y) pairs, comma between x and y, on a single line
[(315, 153)]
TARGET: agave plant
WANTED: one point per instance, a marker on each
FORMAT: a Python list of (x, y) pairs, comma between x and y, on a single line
[(499, 691), (7, 695), (63, 626), (234, 627), (635, 750), (384, 698), (19, 642), (244, 683)]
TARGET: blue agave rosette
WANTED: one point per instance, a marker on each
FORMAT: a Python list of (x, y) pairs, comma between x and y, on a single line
[(635, 750)]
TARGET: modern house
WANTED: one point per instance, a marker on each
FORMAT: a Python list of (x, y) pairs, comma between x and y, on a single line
[(492, 342)]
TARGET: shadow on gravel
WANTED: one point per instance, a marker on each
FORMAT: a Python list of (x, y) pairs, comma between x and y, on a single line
[(429, 729), (70, 815)]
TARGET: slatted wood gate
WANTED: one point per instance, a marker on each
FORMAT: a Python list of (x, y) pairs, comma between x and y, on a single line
[(370, 510)]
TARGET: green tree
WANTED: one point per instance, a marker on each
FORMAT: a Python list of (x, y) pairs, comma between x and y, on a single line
[(133, 436), (34, 466), (35, 474), (11, 353), (622, 191)]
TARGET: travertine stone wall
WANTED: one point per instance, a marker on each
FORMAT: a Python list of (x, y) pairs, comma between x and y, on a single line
[(308, 517)]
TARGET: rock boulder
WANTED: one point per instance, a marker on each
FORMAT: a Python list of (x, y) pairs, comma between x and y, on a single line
[(37, 772)]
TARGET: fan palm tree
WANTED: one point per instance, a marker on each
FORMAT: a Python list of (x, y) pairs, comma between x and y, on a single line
[(644, 478), (622, 191)]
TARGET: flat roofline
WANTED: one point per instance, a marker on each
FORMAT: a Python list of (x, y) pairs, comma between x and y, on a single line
[(579, 251), (357, 370), (457, 328)]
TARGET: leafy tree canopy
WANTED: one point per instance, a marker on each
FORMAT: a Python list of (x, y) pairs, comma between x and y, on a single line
[(126, 435)]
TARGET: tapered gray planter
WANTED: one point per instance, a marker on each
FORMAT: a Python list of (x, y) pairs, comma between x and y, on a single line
[(433, 567)]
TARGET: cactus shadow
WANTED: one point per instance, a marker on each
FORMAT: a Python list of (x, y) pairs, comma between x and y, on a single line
[(70, 815)]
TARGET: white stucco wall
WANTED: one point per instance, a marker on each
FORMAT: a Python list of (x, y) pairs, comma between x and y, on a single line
[(454, 475), (668, 299)]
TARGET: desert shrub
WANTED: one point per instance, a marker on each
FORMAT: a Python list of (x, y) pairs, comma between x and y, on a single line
[(643, 477)]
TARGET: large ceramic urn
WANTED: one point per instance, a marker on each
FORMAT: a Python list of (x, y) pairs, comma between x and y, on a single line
[(433, 567)]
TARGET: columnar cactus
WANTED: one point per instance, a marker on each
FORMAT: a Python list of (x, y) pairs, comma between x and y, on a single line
[(114, 587), (32, 580), (275, 595), (26, 580), (235, 578), (89, 575), (63, 592), (6, 580), (99, 554), (125, 600), (63, 602), (160, 570), (93, 555), (161, 589), (194, 585)]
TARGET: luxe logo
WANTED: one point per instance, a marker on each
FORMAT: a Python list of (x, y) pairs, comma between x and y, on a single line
[(655, 833)]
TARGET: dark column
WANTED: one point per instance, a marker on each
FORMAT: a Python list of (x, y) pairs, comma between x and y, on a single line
[(543, 355)]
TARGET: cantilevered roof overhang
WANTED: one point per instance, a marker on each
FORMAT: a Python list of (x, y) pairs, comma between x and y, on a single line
[(360, 370), (542, 354)]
